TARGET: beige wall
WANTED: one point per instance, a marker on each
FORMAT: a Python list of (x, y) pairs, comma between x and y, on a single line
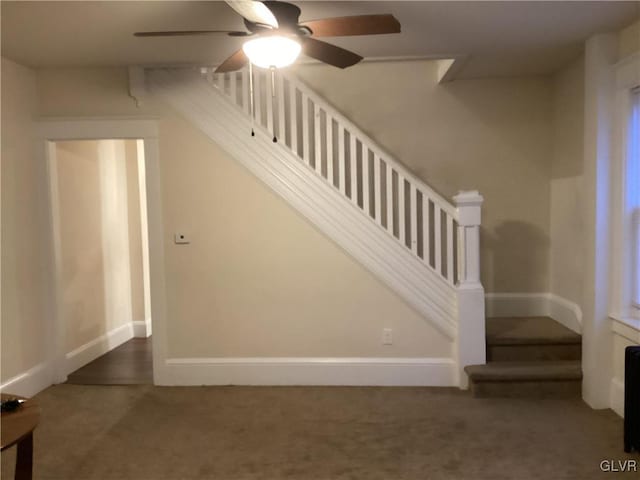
[(81, 247), (257, 279), (629, 40), (493, 135), (135, 230), (98, 286), (300, 294), (24, 228), (567, 203)]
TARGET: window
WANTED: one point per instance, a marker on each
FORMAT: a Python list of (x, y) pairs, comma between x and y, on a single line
[(633, 193), (625, 189)]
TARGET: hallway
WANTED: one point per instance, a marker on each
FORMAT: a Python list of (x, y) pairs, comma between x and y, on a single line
[(129, 364)]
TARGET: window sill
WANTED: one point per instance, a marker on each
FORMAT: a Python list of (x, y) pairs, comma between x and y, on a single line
[(626, 327)]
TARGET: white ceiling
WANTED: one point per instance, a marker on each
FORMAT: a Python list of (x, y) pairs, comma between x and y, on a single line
[(499, 38)]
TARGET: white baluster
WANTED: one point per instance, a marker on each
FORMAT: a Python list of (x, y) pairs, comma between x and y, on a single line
[(366, 193), (353, 154), (329, 144), (233, 88), (269, 98), (437, 231), (342, 177), (257, 92), (402, 232), (293, 117), (389, 194), (377, 189), (460, 245), (426, 231), (317, 138), (413, 218), (450, 249), (281, 114), (306, 155), (245, 92)]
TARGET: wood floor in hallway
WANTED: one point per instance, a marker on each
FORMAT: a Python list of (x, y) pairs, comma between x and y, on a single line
[(129, 364)]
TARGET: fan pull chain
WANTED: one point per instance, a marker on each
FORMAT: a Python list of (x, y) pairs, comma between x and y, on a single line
[(251, 98), (273, 98)]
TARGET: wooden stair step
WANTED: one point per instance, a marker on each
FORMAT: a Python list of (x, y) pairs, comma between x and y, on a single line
[(525, 371), (526, 379)]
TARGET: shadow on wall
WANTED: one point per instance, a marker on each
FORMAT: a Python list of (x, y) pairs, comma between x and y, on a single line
[(513, 252)]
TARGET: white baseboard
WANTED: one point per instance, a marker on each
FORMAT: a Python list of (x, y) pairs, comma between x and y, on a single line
[(28, 383), (98, 346), (544, 304), (565, 312), (440, 372), (616, 396), (142, 328)]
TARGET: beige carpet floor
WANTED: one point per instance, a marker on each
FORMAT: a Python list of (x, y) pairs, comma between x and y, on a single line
[(232, 433)]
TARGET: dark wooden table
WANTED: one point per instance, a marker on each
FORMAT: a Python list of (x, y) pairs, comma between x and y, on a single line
[(17, 429)]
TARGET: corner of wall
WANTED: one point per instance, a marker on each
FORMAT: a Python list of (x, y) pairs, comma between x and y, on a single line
[(543, 304)]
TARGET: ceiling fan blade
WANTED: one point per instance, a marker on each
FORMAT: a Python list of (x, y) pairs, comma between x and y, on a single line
[(356, 25), (327, 53), (254, 11), (179, 33), (233, 63)]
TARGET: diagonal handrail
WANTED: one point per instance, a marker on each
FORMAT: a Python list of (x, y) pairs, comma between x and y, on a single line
[(351, 162)]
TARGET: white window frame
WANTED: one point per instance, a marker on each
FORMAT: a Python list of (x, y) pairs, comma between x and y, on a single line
[(633, 184), (625, 188)]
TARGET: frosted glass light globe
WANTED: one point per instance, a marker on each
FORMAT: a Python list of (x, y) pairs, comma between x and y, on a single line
[(272, 51)]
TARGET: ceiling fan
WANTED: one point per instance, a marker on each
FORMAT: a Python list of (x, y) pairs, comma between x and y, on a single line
[(278, 37)]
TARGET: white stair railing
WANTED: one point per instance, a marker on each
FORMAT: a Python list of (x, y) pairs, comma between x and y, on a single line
[(352, 163), (420, 245)]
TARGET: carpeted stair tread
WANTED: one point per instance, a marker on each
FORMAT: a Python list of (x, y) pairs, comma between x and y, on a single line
[(529, 331), (524, 371)]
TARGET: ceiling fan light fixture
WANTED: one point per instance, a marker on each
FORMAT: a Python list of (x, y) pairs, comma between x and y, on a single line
[(273, 51)]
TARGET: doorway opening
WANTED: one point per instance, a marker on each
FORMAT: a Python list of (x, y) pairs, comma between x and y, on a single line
[(99, 217)]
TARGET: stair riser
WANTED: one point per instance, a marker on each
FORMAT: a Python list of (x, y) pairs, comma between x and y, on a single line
[(526, 353), (533, 389)]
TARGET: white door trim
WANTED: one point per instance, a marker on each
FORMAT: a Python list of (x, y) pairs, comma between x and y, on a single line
[(51, 130)]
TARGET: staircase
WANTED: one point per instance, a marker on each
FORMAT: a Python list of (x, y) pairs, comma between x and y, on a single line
[(420, 244), (528, 357)]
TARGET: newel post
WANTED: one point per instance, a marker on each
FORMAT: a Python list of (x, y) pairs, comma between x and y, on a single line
[(470, 343)]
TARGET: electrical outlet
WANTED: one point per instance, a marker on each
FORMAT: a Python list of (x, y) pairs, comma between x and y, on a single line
[(387, 336)]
